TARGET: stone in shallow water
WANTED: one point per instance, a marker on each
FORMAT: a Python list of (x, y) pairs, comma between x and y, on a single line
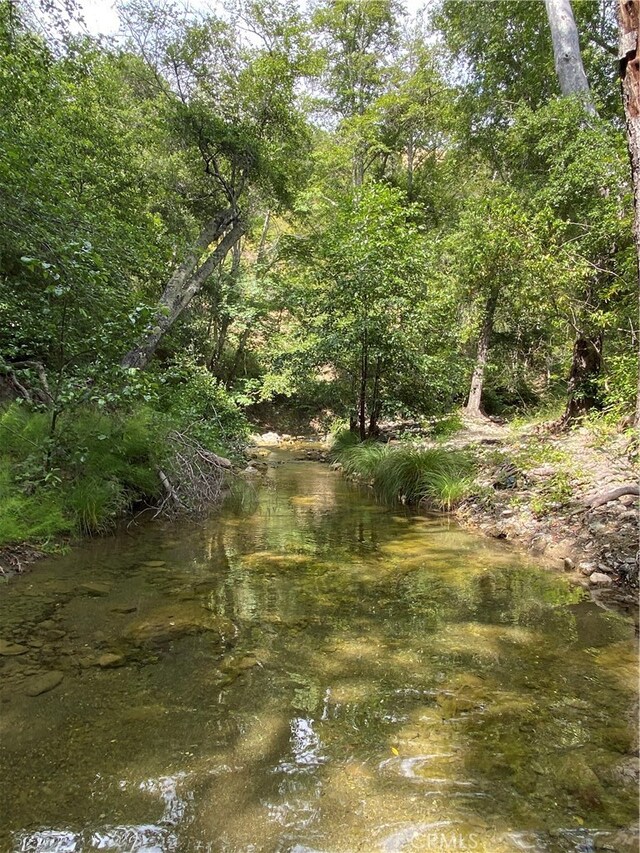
[(43, 683), (174, 621), (111, 661), (96, 588), (8, 649)]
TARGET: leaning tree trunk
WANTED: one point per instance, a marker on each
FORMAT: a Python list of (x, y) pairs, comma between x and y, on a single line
[(629, 55), (186, 281), (473, 407), (566, 52)]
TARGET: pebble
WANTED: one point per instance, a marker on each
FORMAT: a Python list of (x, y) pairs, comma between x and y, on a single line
[(569, 565)]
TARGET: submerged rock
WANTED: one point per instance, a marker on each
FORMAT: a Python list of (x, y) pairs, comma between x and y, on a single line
[(96, 588), (172, 622), (111, 661), (8, 649), (43, 683)]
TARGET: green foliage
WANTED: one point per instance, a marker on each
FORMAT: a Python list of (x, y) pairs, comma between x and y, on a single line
[(447, 426), (362, 459), (342, 439), (79, 479), (439, 478)]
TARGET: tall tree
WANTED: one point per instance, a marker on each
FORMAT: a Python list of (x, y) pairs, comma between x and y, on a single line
[(629, 55), (232, 110), (566, 52)]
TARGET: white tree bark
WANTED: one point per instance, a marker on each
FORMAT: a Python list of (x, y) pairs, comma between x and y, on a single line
[(186, 281), (566, 52)]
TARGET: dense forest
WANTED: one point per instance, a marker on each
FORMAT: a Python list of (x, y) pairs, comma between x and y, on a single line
[(336, 215)]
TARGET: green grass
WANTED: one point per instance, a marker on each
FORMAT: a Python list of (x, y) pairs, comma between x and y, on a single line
[(438, 478), (81, 480)]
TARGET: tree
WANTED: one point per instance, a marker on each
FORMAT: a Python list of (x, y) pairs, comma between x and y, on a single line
[(493, 256), (358, 300), (232, 109), (357, 39), (629, 55), (566, 53)]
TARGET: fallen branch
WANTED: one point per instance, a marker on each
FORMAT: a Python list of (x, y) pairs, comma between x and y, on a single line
[(613, 495), (194, 477)]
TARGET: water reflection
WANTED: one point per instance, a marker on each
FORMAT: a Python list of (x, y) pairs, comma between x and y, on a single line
[(318, 674)]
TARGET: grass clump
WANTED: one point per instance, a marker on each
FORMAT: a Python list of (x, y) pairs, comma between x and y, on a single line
[(341, 440), (438, 478)]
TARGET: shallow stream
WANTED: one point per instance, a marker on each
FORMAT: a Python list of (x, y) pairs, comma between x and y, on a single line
[(315, 674)]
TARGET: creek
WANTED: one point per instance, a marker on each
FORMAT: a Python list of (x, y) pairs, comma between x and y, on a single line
[(313, 672)]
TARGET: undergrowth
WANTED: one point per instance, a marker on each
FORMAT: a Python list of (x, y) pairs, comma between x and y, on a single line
[(96, 464), (438, 478)]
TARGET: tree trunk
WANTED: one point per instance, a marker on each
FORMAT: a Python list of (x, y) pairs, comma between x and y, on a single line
[(186, 282), (566, 52), (362, 399), (473, 407), (233, 370), (376, 403), (586, 365), (629, 56), (410, 159)]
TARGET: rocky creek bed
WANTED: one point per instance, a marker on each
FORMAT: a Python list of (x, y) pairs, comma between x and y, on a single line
[(319, 672)]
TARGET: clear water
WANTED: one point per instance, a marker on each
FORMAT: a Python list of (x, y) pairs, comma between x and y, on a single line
[(319, 674)]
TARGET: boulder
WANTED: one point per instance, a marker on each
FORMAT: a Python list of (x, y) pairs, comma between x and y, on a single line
[(600, 579), (270, 438)]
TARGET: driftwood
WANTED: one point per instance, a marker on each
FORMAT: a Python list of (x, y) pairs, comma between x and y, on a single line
[(605, 497), (194, 477)]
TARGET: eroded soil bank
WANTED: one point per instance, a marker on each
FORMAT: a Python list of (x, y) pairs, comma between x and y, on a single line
[(534, 489)]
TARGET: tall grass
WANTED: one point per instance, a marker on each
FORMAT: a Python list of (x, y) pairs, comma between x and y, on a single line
[(438, 478)]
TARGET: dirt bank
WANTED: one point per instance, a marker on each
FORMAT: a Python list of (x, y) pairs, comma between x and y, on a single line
[(536, 487)]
